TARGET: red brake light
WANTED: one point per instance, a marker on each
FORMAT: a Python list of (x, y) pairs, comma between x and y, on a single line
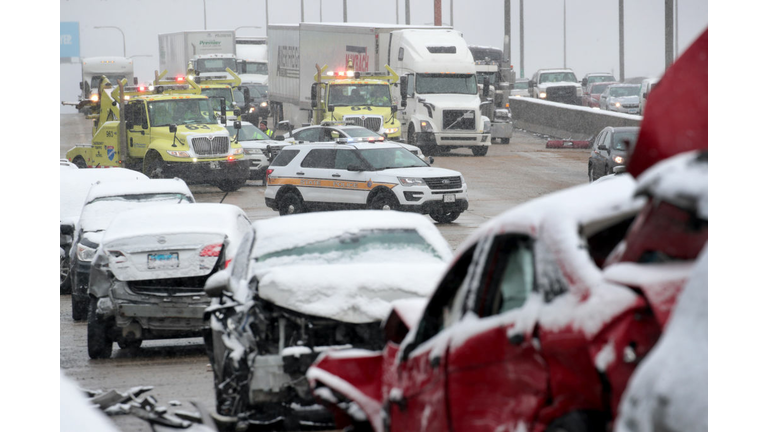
[(142, 88), (211, 250), (179, 79), (269, 171)]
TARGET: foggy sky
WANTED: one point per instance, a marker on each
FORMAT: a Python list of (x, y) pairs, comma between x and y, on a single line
[(592, 28)]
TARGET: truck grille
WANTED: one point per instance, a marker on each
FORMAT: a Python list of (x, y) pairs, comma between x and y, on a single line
[(563, 93), (443, 182), (454, 120), (216, 146), (369, 122)]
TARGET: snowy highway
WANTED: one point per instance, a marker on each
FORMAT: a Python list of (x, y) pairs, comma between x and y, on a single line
[(178, 369)]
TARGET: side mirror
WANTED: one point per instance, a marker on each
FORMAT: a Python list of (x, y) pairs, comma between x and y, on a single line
[(81, 85), (403, 103), (237, 124), (394, 108), (602, 147), (237, 112), (403, 88), (216, 284), (486, 86), (172, 128), (278, 138), (331, 108), (223, 108), (431, 160), (144, 123), (584, 82), (530, 84), (135, 81), (246, 94), (313, 95), (645, 95)]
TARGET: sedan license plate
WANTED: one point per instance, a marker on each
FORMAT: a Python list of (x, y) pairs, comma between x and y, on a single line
[(449, 198), (163, 260), (215, 165), (633, 111)]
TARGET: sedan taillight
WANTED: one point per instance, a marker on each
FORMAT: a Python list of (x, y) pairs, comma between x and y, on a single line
[(211, 250)]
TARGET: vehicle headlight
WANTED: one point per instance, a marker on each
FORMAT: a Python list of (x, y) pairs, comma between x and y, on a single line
[(411, 181), (84, 253), (543, 95), (253, 151), (486, 126), (426, 126), (579, 91), (181, 154), (618, 104), (237, 151), (252, 109), (463, 182), (618, 159), (263, 104), (391, 130)]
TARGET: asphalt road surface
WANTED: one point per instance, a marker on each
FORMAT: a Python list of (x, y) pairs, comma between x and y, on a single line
[(508, 175)]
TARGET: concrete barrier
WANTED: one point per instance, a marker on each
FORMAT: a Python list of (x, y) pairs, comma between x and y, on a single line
[(565, 121)]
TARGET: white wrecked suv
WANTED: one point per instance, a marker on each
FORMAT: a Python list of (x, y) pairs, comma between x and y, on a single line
[(304, 284), (148, 274), (383, 176)]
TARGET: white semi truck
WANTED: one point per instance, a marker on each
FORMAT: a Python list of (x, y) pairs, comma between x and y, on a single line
[(210, 51), (437, 93), (252, 59), (114, 68)]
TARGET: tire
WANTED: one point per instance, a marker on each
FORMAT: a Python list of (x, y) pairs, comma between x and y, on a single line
[(131, 345), (591, 173), (504, 140), (153, 166), (578, 421), (480, 150), (65, 282), (291, 203), (383, 201), (231, 185), (80, 162), (444, 217), (99, 342), (411, 135), (79, 308)]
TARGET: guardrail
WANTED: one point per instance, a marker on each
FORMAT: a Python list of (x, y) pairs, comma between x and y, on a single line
[(565, 121)]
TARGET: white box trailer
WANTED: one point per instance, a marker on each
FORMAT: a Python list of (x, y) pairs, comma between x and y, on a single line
[(445, 114), (252, 59), (211, 51), (114, 68)]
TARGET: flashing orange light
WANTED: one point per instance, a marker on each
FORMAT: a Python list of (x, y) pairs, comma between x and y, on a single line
[(230, 157), (94, 98)]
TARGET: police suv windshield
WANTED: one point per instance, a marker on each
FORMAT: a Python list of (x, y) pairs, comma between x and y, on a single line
[(446, 83), (359, 95), (181, 111), (386, 158)]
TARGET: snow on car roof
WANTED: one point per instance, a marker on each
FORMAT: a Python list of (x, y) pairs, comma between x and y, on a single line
[(74, 185), (287, 232), (166, 219), (681, 180), (150, 186)]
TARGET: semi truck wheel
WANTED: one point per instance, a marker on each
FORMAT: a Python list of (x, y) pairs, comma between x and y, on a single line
[(480, 150)]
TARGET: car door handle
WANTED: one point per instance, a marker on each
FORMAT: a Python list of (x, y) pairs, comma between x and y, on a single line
[(299, 173), (434, 361), (517, 339), (335, 175)]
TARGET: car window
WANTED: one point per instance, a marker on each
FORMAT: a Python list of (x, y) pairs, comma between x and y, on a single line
[(320, 158), (345, 158), (622, 140), (549, 278), (443, 301), (508, 276), (284, 157), (311, 135), (606, 138), (597, 141), (239, 265)]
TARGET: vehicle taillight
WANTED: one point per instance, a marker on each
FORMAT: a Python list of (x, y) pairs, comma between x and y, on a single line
[(180, 78), (142, 88), (270, 171), (211, 250)]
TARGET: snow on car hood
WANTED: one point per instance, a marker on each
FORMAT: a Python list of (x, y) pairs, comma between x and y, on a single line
[(353, 293), (558, 84)]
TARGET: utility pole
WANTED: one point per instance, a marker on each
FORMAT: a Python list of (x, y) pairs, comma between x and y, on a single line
[(522, 41), (438, 13), (668, 49), (507, 33), (621, 40), (564, 38), (321, 10), (266, 13), (397, 11), (345, 10), (407, 12), (205, 17), (302, 11), (452, 23), (677, 31)]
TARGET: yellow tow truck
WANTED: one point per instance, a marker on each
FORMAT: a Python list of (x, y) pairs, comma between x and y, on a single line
[(164, 133), (215, 87), (356, 98)]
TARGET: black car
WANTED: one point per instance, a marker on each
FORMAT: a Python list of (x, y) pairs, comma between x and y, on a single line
[(609, 150), (254, 98)]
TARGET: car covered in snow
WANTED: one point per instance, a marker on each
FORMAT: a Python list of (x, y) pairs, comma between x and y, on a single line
[(104, 202), (304, 284), (259, 148), (542, 317), (74, 184), (149, 271)]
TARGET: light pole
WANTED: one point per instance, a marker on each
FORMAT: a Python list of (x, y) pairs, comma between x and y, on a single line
[(205, 17), (121, 32)]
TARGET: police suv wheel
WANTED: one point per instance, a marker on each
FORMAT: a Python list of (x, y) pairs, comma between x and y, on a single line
[(290, 204), (383, 201), (444, 217)]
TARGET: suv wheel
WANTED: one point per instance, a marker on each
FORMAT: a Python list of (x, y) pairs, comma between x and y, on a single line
[(290, 203), (444, 216), (79, 308), (153, 166), (383, 201), (99, 341)]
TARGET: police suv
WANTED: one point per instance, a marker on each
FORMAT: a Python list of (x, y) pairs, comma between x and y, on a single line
[(348, 174)]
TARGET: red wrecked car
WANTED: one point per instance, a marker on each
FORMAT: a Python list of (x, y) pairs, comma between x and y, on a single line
[(546, 310)]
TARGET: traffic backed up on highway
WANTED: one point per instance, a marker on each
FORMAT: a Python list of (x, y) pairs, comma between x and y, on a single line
[(542, 317), (304, 284), (383, 176), (104, 202), (148, 274), (258, 148)]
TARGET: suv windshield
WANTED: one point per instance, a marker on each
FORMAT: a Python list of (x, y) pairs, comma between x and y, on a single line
[(181, 111), (359, 95), (364, 246), (557, 77), (247, 132), (225, 93), (624, 91), (386, 158), (600, 78), (215, 65), (446, 83)]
